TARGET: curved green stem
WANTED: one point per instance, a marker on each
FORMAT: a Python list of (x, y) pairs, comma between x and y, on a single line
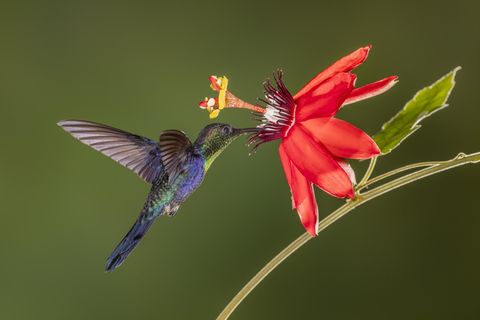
[(459, 160), (367, 175), (397, 171)]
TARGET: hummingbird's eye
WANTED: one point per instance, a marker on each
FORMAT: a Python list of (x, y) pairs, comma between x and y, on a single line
[(227, 130)]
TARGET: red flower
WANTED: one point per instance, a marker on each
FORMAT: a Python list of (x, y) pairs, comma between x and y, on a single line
[(314, 143)]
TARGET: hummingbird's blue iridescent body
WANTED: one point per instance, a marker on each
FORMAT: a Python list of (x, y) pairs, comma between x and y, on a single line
[(165, 198), (174, 167)]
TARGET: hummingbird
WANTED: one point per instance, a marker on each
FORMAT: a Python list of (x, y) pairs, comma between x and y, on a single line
[(173, 166)]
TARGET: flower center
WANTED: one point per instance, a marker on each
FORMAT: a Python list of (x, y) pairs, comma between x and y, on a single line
[(279, 116)]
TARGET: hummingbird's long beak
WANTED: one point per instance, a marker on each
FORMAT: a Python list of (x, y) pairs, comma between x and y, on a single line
[(242, 131)]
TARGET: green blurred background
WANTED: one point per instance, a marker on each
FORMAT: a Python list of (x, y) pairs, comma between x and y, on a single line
[(142, 66)]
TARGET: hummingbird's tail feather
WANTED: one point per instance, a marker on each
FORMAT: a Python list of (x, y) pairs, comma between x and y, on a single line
[(128, 243)]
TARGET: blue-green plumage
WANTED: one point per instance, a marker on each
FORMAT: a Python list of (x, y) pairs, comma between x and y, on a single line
[(174, 167)]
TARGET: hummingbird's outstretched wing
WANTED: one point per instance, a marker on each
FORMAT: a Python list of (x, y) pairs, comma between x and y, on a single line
[(174, 149), (137, 153)]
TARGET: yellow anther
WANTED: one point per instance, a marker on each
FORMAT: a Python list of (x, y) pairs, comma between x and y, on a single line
[(214, 113), (213, 106), (223, 83), (223, 92), (221, 99)]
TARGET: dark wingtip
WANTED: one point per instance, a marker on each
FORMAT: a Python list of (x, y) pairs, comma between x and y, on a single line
[(113, 262)]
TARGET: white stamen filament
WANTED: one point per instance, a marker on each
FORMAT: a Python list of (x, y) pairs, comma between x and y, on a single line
[(272, 115)]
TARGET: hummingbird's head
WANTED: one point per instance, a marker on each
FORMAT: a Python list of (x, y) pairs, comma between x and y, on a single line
[(214, 138)]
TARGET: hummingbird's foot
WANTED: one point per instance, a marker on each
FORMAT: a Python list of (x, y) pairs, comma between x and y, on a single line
[(172, 210)]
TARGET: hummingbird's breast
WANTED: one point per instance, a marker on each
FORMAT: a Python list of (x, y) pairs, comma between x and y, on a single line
[(190, 179), (165, 198)]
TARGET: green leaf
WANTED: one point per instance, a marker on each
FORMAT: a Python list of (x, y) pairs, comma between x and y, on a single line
[(426, 102)]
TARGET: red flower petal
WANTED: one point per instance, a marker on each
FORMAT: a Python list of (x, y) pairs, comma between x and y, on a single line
[(303, 196), (287, 169), (342, 139), (345, 64), (371, 89), (306, 207), (316, 163), (348, 169), (325, 99)]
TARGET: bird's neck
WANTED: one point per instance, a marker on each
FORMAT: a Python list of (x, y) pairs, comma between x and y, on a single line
[(209, 153)]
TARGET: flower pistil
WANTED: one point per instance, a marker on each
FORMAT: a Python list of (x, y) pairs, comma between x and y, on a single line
[(225, 99)]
